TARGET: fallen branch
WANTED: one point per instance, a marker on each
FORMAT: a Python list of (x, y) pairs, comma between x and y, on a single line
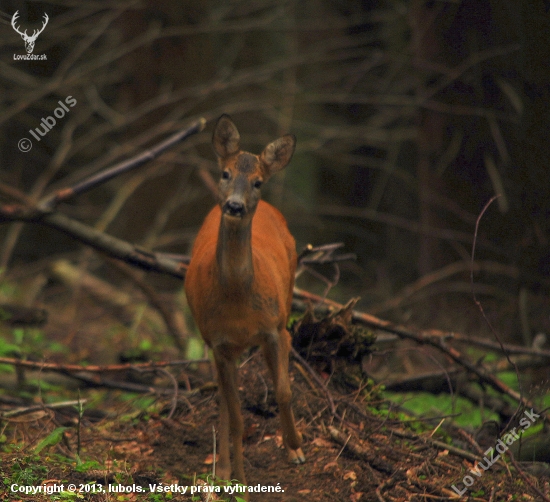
[(112, 246), (503, 348), (99, 381), (51, 201), (92, 375), (43, 212), (38, 407), (93, 368), (368, 455), (435, 338)]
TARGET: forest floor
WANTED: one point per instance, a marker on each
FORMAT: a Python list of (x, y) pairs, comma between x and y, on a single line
[(146, 446), (385, 457)]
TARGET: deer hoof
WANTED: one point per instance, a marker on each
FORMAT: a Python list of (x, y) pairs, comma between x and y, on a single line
[(296, 456)]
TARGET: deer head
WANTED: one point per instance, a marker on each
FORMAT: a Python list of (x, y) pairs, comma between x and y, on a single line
[(29, 40)]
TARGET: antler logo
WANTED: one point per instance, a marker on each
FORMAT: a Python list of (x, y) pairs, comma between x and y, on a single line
[(29, 40)]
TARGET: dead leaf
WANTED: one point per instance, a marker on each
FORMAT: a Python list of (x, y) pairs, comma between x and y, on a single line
[(51, 482), (350, 475), (209, 460), (331, 466), (322, 443)]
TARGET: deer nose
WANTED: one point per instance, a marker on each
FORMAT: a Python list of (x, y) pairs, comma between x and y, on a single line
[(233, 208)]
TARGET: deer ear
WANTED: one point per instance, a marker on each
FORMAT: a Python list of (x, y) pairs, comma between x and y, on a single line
[(226, 137), (278, 153)]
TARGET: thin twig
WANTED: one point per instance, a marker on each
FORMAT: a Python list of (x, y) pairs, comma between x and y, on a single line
[(178, 335), (478, 303), (79, 425), (92, 368), (176, 388), (441, 274), (66, 193), (359, 451), (38, 407), (214, 456), (317, 379), (98, 381)]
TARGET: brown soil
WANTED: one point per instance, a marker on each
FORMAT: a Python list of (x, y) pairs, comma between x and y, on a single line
[(383, 458), (376, 464)]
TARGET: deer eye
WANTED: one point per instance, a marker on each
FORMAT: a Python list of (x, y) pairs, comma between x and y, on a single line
[(257, 184), (226, 175)]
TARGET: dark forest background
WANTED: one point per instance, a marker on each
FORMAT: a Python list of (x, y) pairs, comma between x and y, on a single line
[(410, 116)]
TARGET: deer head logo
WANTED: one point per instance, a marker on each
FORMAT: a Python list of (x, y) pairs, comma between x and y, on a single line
[(29, 40)]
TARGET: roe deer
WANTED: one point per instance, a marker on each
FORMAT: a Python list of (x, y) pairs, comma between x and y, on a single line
[(239, 285)]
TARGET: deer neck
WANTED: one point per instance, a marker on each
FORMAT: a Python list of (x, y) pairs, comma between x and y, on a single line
[(234, 256)]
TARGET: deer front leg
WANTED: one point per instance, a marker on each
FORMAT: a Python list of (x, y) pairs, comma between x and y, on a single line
[(223, 469), (231, 421), (276, 351)]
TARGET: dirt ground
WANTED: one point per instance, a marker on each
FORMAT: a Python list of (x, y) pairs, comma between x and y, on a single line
[(383, 459), (358, 447)]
